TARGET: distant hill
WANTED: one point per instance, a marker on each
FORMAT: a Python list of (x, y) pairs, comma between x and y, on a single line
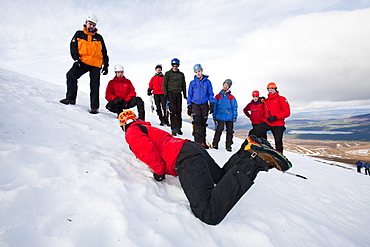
[(358, 125), (356, 121)]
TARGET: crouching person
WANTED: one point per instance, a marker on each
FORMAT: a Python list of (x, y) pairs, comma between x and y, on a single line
[(197, 171), (120, 94)]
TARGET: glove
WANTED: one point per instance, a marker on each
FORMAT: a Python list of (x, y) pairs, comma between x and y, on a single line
[(234, 120), (271, 118), (262, 99), (117, 101), (158, 177), (211, 106), (149, 92), (214, 119), (189, 110), (185, 97), (77, 64), (104, 70)]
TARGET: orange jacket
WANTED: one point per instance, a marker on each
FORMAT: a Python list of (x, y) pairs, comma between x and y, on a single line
[(89, 48)]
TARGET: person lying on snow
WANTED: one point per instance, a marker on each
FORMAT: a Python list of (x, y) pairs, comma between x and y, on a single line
[(197, 171)]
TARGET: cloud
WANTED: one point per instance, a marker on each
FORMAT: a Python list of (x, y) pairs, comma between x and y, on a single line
[(314, 50), (314, 57)]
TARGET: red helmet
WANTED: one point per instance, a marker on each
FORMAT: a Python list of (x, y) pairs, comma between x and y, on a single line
[(255, 93), (271, 85)]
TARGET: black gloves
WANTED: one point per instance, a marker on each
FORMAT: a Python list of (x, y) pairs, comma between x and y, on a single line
[(77, 64), (158, 177), (234, 120), (117, 101), (104, 70), (149, 92), (262, 99), (271, 118), (211, 106), (189, 110)]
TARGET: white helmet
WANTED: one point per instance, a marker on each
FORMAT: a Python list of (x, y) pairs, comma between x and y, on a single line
[(92, 18), (118, 67)]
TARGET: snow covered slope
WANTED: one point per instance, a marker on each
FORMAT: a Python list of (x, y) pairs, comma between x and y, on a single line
[(67, 178)]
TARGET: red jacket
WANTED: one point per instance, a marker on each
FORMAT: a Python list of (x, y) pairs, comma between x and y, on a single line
[(156, 148), (276, 105), (120, 87), (156, 84), (257, 111)]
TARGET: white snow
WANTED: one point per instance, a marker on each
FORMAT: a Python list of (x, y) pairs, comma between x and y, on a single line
[(67, 178)]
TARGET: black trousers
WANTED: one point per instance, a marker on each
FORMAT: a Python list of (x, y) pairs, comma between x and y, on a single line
[(72, 78), (277, 131), (200, 117), (160, 104), (175, 106), (198, 174), (135, 101), (229, 132)]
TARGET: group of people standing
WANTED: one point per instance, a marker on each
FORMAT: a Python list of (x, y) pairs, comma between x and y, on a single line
[(162, 151), (365, 165), (89, 53)]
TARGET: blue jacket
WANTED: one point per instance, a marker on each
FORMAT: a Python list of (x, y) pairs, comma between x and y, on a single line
[(367, 165), (200, 92), (359, 163), (226, 107)]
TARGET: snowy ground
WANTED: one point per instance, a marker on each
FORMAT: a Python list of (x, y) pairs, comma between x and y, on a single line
[(67, 178)]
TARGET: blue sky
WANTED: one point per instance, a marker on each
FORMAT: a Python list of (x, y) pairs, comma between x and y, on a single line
[(316, 51)]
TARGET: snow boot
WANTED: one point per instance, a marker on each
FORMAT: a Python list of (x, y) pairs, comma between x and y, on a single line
[(94, 111), (174, 132), (261, 148), (67, 102)]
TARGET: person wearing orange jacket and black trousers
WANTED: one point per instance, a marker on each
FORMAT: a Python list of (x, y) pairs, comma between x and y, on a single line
[(256, 109), (197, 171), (156, 88), (121, 94), (276, 110), (90, 54)]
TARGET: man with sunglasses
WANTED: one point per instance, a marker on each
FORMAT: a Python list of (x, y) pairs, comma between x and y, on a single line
[(173, 84), (90, 54)]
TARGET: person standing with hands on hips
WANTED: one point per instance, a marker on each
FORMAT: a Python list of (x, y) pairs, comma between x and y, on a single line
[(225, 113), (173, 84), (90, 54), (199, 94), (276, 110)]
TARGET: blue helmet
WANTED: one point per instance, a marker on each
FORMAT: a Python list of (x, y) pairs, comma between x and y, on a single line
[(175, 61), (197, 67)]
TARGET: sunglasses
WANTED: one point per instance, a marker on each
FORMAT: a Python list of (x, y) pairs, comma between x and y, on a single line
[(175, 65)]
